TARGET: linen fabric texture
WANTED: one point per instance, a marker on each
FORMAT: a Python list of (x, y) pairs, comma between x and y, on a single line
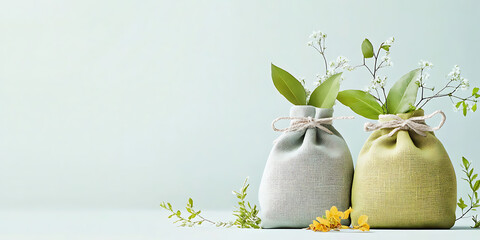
[(307, 172), (404, 181)]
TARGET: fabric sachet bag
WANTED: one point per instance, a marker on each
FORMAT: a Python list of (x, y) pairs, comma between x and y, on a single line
[(308, 171), (404, 177)]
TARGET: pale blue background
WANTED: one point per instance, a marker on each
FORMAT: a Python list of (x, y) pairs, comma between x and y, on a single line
[(123, 104)]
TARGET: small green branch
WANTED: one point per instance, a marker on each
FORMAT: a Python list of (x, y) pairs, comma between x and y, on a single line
[(473, 197), (247, 216)]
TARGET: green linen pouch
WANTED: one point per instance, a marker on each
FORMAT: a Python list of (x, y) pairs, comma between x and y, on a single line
[(307, 172), (404, 181)]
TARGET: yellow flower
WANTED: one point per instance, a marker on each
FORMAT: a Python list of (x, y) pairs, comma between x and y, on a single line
[(362, 223), (322, 225), (332, 221), (333, 213), (347, 213), (323, 221), (334, 216)]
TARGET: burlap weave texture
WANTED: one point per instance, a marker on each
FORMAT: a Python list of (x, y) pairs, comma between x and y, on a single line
[(404, 181), (307, 172)]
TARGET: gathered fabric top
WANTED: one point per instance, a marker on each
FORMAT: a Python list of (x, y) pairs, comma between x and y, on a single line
[(301, 123), (417, 124)]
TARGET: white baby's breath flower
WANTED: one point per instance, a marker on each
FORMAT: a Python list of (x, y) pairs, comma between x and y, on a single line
[(318, 40), (389, 41), (307, 91), (322, 34), (425, 64), (318, 34), (382, 81), (350, 68), (302, 80), (332, 64), (319, 80), (465, 84), (330, 72), (379, 81), (454, 75), (387, 62), (342, 61)]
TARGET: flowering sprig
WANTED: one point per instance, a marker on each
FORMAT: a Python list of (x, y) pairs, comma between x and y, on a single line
[(341, 63), (402, 97), (455, 82), (377, 82), (326, 86), (318, 43), (332, 221)]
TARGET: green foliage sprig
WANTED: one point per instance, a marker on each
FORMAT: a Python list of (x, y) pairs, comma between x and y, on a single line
[(328, 85), (473, 197), (189, 221), (402, 97), (246, 215)]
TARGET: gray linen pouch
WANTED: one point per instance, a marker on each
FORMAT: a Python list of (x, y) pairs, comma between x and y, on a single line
[(307, 172)]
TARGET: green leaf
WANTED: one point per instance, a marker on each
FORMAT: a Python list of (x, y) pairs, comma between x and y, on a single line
[(403, 93), (362, 103), (367, 49), (474, 107), (288, 86), (465, 162), (190, 202), (476, 186), (386, 47), (458, 104), (461, 204), (324, 95), (464, 108), (474, 176), (178, 213), (477, 223), (475, 91)]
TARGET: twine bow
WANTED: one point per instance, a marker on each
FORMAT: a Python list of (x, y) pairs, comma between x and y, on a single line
[(301, 123), (416, 124)]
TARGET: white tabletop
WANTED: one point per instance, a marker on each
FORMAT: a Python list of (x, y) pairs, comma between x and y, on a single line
[(153, 224)]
